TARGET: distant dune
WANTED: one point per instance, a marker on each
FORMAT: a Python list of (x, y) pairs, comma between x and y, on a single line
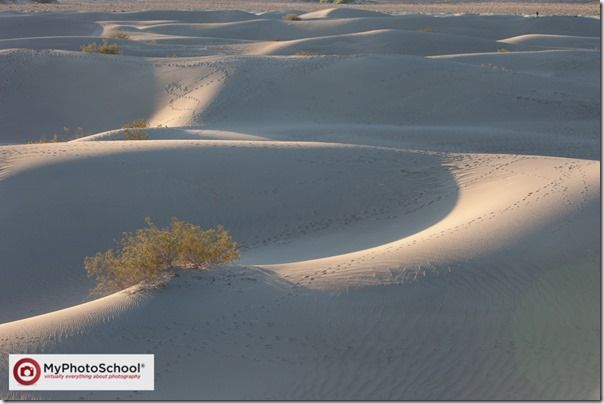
[(524, 7)]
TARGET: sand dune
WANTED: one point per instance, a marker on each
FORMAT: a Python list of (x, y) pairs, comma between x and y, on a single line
[(217, 93), (571, 8), (35, 25), (556, 41), (213, 193), (161, 47), (494, 28), (476, 227), (169, 45), (193, 91), (459, 286), (86, 94), (576, 65), (399, 95), (341, 13), (235, 24), (384, 42), (416, 198), (173, 134)]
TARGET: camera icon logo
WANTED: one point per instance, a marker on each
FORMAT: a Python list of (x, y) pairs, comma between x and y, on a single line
[(26, 371)]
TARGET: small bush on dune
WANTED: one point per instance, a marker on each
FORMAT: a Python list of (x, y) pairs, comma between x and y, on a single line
[(75, 134), (291, 17), (502, 50), (134, 130), (427, 29), (119, 35), (151, 253), (306, 53), (53, 139), (105, 48)]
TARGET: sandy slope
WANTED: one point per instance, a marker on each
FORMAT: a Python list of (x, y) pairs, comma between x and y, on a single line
[(418, 209), (217, 93), (466, 308), (341, 13), (274, 193), (575, 65), (384, 42), (556, 41)]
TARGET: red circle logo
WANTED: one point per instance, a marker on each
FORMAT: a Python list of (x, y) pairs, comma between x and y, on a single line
[(26, 371)]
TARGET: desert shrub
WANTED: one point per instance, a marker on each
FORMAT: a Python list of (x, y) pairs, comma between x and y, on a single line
[(90, 48), (151, 253), (306, 53), (502, 50), (427, 29), (119, 35), (291, 17), (134, 130), (105, 48), (68, 135), (337, 1), (53, 139)]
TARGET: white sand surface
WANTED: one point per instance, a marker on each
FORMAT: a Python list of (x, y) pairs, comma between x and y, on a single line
[(417, 200), (562, 65), (556, 41), (387, 41), (294, 197), (341, 13), (259, 95)]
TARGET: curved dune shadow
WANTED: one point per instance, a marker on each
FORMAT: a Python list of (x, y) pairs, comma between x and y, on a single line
[(280, 202)]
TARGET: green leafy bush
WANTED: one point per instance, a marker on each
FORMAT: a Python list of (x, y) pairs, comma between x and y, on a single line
[(150, 253)]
